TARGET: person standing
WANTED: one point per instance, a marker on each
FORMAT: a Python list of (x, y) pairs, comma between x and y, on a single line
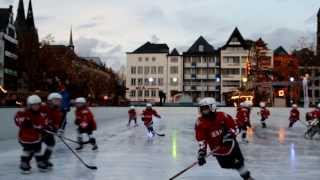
[(132, 116), (294, 115), (264, 113), (147, 118), (54, 114), (30, 122), (65, 106), (218, 131), (85, 122)]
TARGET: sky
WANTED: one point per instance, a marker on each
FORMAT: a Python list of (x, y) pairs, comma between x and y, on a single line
[(110, 28)]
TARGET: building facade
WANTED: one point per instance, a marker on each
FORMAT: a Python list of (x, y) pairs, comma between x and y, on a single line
[(147, 75), (8, 51), (234, 60), (201, 71), (175, 72)]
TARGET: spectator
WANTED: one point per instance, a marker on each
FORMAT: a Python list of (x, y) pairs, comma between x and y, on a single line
[(65, 107)]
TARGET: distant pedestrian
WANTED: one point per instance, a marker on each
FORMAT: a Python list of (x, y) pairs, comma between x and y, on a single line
[(65, 107)]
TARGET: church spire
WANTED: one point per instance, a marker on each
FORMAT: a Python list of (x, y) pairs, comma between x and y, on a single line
[(21, 17), (71, 45), (30, 18)]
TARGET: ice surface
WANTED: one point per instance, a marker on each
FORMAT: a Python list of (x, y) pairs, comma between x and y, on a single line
[(126, 154)]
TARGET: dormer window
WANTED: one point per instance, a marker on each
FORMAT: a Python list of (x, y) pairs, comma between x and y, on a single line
[(201, 48)]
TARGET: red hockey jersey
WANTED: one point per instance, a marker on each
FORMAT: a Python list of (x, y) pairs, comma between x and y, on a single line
[(210, 131), (85, 119), (242, 117), (294, 114), (147, 115), (29, 124), (54, 116), (132, 114), (265, 113), (315, 114)]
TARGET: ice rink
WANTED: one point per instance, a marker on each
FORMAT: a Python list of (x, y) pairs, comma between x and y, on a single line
[(126, 154)]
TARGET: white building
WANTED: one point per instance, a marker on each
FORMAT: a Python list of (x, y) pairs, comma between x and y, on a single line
[(234, 58), (201, 71), (150, 70), (175, 72), (8, 48)]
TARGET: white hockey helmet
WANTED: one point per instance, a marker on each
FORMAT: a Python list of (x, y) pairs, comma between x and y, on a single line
[(80, 100), (248, 104), (242, 104), (294, 105), (53, 96), (33, 99), (318, 105), (262, 104), (209, 102), (149, 105), (132, 107)]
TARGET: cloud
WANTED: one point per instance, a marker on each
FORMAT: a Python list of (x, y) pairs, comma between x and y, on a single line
[(112, 55), (8, 1), (288, 38), (87, 25)]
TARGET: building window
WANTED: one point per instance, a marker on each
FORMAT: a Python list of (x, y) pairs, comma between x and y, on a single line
[(174, 69), (316, 93), (133, 93), (140, 59), (173, 81), (147, 59), (140, 93), (201, 48), (133, 70), (146, 82), (153, 59), (146, 93), (154, 93), (174, 60), (133, 82), (160, 70), (140, 70), (146, 70), (154, 82), (140, 82), (316, 82), (160, 81), (153, 70)]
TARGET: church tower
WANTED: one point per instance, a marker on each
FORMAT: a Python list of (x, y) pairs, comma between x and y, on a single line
[(71, 44), (28, 48)]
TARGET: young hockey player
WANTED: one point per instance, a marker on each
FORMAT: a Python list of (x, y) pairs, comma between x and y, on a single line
[(147, 116), (294, 115), (242, 119), (54, 114), (132, 116), (264, 113), (30, 122), (217, 130), (85, 122)]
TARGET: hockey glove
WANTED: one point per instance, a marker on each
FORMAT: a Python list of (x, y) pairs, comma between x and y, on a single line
[(202, 157)]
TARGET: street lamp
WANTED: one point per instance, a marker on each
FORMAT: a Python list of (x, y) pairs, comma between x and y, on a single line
[(291, 79), (218, 79), (151, 79), (244, 80), (174, 79)]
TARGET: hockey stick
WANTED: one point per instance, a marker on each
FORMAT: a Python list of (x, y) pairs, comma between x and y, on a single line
[(188, 168), (159, 134), (76, 154), (68, 139)]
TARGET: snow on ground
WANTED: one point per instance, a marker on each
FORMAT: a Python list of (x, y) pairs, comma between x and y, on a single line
[(124, 153)]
